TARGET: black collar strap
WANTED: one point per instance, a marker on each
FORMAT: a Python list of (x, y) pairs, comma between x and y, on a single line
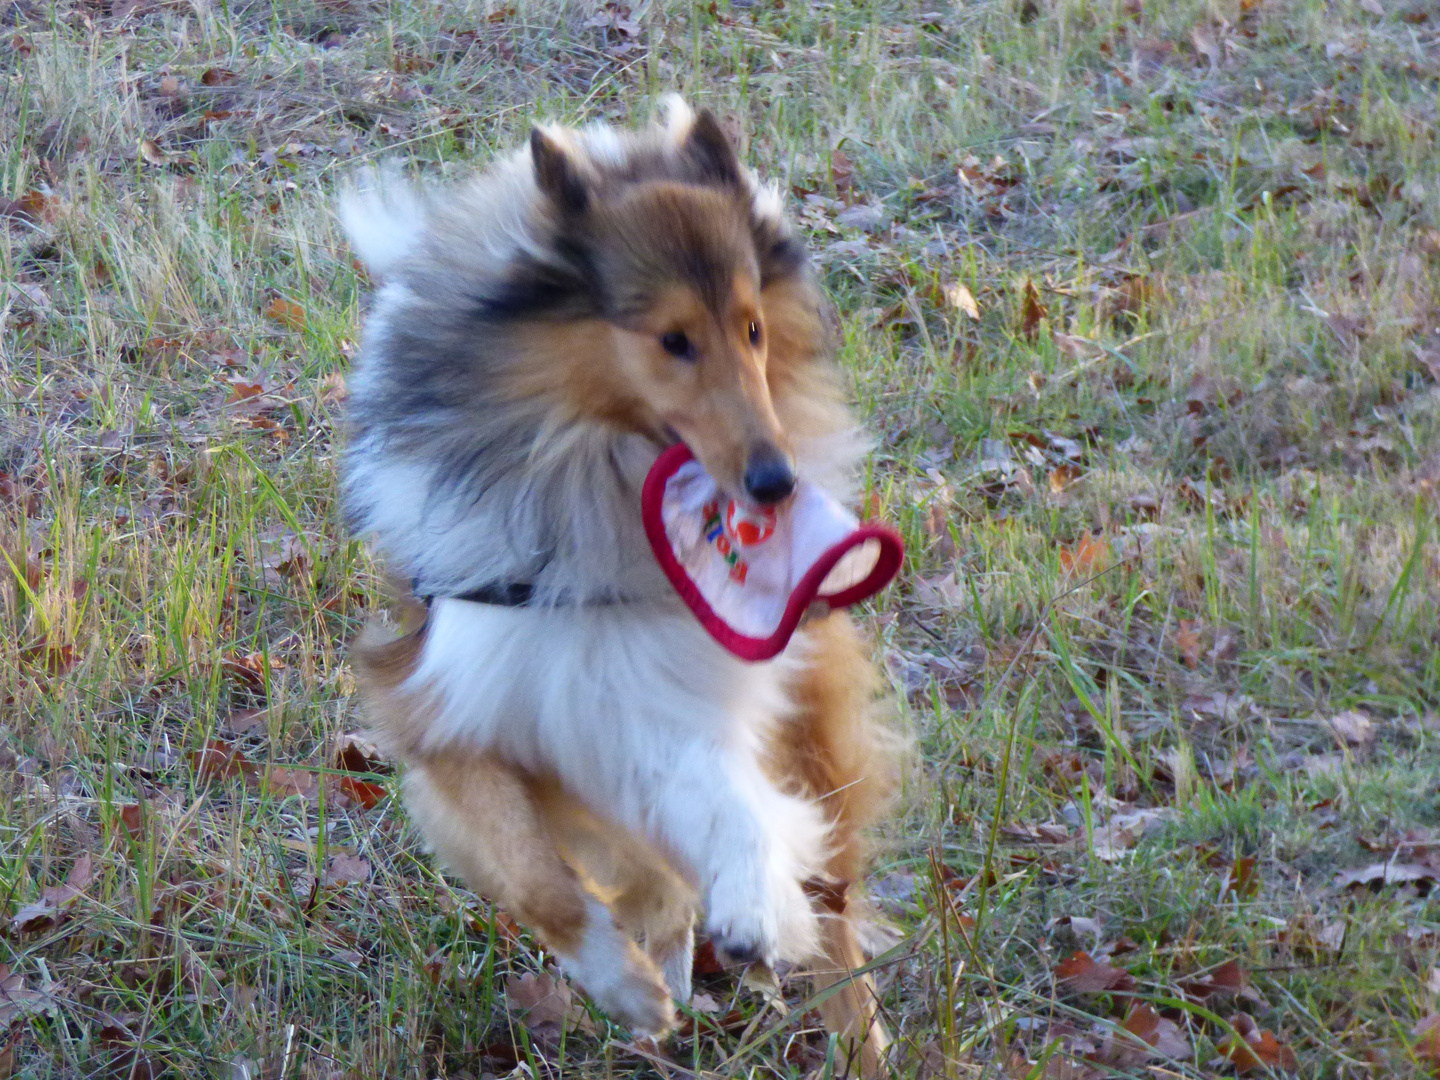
[(501, 594), (515, 594)]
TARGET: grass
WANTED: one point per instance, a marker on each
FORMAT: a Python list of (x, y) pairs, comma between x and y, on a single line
[(1166, 643)]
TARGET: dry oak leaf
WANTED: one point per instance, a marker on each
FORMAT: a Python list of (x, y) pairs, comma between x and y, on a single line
[(1377, 875), (132, 819), (347, 868), (1090, 555), (1031, 311), (285, 312), (1228, 978), (151, 152), (1110, 841), (250, 670), (1083, 974), (244, 389), (282, 782), (541, 999), (841, 171), (218, 759), (1352, 728), (48, 910), (1187, 640), (1257, 1048), (1427, 1039), (353, 754), (958, 296), (1075, 348), (1163, 1038), (16, 1001), (1063, 476), (1242, 879)]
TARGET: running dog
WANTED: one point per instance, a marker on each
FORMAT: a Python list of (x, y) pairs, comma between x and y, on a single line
[(577, 747)]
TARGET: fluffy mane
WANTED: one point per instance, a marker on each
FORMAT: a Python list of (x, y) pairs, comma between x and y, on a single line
[(461, 463)]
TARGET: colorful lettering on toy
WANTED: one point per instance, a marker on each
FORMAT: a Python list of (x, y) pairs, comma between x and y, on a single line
[(713, 530)]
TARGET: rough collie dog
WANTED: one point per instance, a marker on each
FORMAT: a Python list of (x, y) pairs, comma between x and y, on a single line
[(578, 748)]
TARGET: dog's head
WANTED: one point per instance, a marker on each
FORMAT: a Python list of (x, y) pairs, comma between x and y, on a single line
[(686, 280)]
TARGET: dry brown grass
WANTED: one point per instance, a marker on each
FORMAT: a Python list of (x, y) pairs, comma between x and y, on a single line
[(1169, 626)]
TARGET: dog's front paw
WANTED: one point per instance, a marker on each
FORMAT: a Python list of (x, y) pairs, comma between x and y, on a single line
[(620, 978), (769, 923)]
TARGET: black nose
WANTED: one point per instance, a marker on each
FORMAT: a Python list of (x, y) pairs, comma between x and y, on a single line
[(768, 475)]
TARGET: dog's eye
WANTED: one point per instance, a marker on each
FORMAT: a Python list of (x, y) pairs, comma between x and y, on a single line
[(677, 344), (754, 334)]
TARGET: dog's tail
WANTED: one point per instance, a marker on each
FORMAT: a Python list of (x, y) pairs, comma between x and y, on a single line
[(384, 216)]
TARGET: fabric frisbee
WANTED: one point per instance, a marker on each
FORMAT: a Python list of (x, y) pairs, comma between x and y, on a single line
[(750, 574)]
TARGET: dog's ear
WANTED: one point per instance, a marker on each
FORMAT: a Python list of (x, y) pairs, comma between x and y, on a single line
[(709, 149), (556, 173)]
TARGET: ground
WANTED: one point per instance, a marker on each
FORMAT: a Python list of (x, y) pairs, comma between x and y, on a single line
[(1140, 299)]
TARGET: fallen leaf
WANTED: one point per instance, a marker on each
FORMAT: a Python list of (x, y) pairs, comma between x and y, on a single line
[(841, 172), (958, 296), (219, 760), (217, 76), (1062, 477), (1241, 878), (1074, 348), (286, 553), (169, 86), (1227, 979), (53, 659), (1203, 38), (1352, 728), (151, 152), (367, 794), (1374, 7), (17, 1001), (1110, 841), (1427, 1038), (347, 869), (250, 669), (1032, 311), (244, 721), (285, 312), (1046, 833), (132, 818), (1151, 1036), (333, 389), (32, 207), (243, 389), (942, 590), (1257, 1048), (282, 782), (707, 962), (539, 999), (1083, 974), (1378, 875), (1187, 640), (354, 753), (1090, 555), (54, 899)]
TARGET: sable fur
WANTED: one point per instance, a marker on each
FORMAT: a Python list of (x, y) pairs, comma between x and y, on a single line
[(595, 761)]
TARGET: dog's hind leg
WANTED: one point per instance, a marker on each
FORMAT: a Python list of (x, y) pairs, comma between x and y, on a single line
[(483, 820), (834, 751)]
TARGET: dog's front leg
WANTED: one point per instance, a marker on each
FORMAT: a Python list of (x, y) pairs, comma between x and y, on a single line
[(749, 846)]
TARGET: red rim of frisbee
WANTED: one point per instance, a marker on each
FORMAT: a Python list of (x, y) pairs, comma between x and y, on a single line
[(887, 565)]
